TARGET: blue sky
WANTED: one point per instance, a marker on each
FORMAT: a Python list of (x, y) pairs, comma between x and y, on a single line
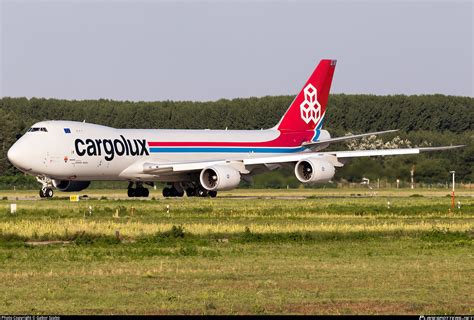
[(191, 50)]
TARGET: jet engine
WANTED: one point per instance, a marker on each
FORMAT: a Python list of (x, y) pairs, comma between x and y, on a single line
[(314, 171), (219, 178), (70, 186)]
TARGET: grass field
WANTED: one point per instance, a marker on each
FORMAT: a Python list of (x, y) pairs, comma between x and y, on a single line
[(248, 251)]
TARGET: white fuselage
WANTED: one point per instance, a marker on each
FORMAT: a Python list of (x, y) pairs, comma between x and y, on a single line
[(68, 150)]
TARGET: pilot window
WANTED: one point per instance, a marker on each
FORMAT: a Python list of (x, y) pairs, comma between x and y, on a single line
[(33, 129)]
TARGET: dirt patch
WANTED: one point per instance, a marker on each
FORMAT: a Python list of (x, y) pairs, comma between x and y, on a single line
[(45, 243)]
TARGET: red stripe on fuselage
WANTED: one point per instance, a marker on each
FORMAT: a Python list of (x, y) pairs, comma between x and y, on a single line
[(286, 139)]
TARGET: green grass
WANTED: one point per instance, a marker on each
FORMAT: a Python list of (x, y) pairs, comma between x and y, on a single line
[(306, 254)]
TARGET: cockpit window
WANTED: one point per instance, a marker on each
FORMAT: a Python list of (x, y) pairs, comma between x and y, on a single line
[(34, 129)]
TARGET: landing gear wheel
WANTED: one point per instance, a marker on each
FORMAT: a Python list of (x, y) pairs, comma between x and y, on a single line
[(190, 192), (202, 192), (141, 192), (212, 194), (48, 192), (166, 192), (172, 192)]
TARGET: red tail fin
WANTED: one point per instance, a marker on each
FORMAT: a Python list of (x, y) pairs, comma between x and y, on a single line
[(307, 111)]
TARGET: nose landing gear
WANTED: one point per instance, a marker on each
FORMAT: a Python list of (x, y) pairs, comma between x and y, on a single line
[(46, 190), (46, 193)]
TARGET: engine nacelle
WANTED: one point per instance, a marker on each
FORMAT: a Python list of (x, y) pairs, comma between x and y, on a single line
[(314, 171), (219, 177), (70, 186)]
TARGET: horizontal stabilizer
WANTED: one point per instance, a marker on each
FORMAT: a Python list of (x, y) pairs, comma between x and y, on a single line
[(311, 144)]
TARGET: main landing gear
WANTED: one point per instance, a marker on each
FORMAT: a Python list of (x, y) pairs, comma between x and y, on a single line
[(136, 189), (174, 190), (139, 191), (191, 190), (46, 190)]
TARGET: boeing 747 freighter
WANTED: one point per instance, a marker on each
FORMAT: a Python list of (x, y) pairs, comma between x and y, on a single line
[(67, 155)]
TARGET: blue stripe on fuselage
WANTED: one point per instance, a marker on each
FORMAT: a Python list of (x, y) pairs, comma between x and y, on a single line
[(316, 135), (318, 130), (225, 149)]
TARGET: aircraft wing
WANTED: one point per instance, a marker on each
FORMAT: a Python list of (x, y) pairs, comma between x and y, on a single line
[(156, 168), (387, 152), (345, 154), (326, 142)]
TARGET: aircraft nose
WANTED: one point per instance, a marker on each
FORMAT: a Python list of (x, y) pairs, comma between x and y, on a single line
[(17, 155)]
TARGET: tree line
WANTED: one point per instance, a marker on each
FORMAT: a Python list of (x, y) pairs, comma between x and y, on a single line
[(439, 119)]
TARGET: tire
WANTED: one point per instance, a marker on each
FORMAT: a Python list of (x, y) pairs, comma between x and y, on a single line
[(202, 192), (145, 192), (190, 192), (179, 194), (41, 194), (131, 192), (48, 193), (212, 194), (166, 192)]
